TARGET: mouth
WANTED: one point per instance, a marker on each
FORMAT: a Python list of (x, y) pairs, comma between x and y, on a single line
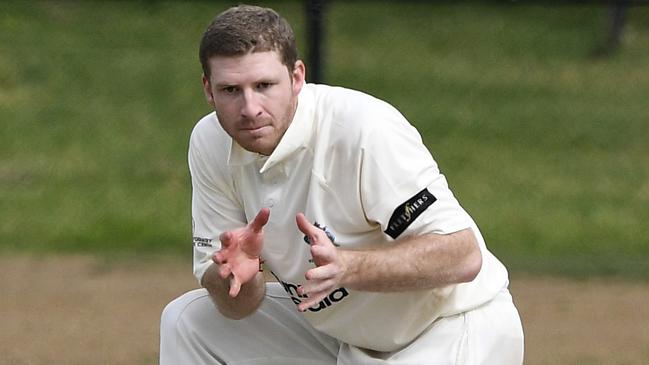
[(257, 131)]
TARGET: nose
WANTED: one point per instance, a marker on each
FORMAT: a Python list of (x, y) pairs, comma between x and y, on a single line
[(251, 106)]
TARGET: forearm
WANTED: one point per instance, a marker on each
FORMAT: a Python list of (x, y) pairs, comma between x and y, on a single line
[(422, 262), (241, 306)]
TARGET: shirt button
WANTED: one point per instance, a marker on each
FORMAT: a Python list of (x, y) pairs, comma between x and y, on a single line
[(270, 203)]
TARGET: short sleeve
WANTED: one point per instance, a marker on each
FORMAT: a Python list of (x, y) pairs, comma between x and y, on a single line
[(401, 186), (214, 207)]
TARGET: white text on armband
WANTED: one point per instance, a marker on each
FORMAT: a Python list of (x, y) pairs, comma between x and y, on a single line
[(407, 212)]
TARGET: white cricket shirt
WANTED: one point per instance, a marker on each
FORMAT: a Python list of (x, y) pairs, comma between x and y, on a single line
[(352, 163)]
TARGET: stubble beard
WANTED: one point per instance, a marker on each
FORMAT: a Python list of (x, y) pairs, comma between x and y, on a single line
[(256, 145)]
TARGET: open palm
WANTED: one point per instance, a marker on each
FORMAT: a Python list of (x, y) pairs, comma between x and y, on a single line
[(238, 257)]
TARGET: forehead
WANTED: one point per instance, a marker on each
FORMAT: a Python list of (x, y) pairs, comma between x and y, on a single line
[(246, 68)]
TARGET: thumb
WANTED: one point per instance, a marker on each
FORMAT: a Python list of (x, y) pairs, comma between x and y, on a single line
[(305, 226), (235, 286), (260, 220)]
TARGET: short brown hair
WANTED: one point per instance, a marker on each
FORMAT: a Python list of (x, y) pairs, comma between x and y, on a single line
[(245, 28)]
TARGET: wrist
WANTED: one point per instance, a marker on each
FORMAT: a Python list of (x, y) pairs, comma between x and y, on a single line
[(347, 267)]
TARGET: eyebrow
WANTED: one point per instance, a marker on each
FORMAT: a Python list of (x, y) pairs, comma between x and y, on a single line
[(225, 84), (268, 80)]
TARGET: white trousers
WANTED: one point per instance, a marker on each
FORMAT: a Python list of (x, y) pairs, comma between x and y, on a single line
[(193, 332)]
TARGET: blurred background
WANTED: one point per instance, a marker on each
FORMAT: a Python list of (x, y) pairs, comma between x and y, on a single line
[(537, 113)]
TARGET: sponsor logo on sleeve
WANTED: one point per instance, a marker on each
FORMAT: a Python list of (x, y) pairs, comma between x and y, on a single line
[(407, 212), (202, 242)]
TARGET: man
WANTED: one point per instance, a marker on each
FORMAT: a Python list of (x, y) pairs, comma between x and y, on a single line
[(333, 190)]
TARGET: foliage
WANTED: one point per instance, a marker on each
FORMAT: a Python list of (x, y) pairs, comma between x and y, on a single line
[(544, 145)]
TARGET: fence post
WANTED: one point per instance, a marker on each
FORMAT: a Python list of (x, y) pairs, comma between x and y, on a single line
[(615, 20), (315, 31)]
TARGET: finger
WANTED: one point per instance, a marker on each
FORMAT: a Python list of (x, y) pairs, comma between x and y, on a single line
[(321, 253), (219, 257), (311, 301), (226, 238), (222, 255), (260, 220), (225, 271), (235, 286), (315, 287), (321, 273), (306, 227)]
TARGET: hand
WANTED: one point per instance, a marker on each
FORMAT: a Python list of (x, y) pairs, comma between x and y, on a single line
[(329, 270), (238, 257)]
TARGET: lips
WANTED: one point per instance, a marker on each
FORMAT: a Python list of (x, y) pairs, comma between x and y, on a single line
[(257, 131)]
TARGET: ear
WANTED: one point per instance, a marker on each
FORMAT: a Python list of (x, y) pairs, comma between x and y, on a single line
[(207, 90), (298, 76)]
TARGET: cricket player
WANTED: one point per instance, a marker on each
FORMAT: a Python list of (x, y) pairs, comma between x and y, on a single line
[(374, 260)]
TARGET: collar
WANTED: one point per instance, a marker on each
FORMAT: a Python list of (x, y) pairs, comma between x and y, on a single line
[(296, 137)]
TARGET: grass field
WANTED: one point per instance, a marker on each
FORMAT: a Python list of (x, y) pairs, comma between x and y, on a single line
[(545, 146)]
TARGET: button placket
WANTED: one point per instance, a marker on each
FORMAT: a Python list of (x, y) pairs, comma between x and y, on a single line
[(272, 187)]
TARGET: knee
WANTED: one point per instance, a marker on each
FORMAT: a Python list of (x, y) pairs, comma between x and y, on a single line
[(177, 327), (174, 312)]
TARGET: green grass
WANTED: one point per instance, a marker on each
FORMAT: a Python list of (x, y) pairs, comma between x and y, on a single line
[(544, 146)]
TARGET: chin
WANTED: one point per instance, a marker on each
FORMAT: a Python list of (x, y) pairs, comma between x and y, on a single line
[(261, 149)]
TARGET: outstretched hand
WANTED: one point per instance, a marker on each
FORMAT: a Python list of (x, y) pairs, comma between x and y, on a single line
[(238, 257), (329, 270)]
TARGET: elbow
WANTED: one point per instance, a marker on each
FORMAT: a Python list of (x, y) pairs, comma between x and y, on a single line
[(472, 266), (471, 263)]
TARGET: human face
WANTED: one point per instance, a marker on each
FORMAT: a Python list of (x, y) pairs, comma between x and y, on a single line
[(255, 97)]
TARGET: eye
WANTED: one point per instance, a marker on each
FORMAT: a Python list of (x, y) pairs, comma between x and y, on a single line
[(264, 85), (229, 89)]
